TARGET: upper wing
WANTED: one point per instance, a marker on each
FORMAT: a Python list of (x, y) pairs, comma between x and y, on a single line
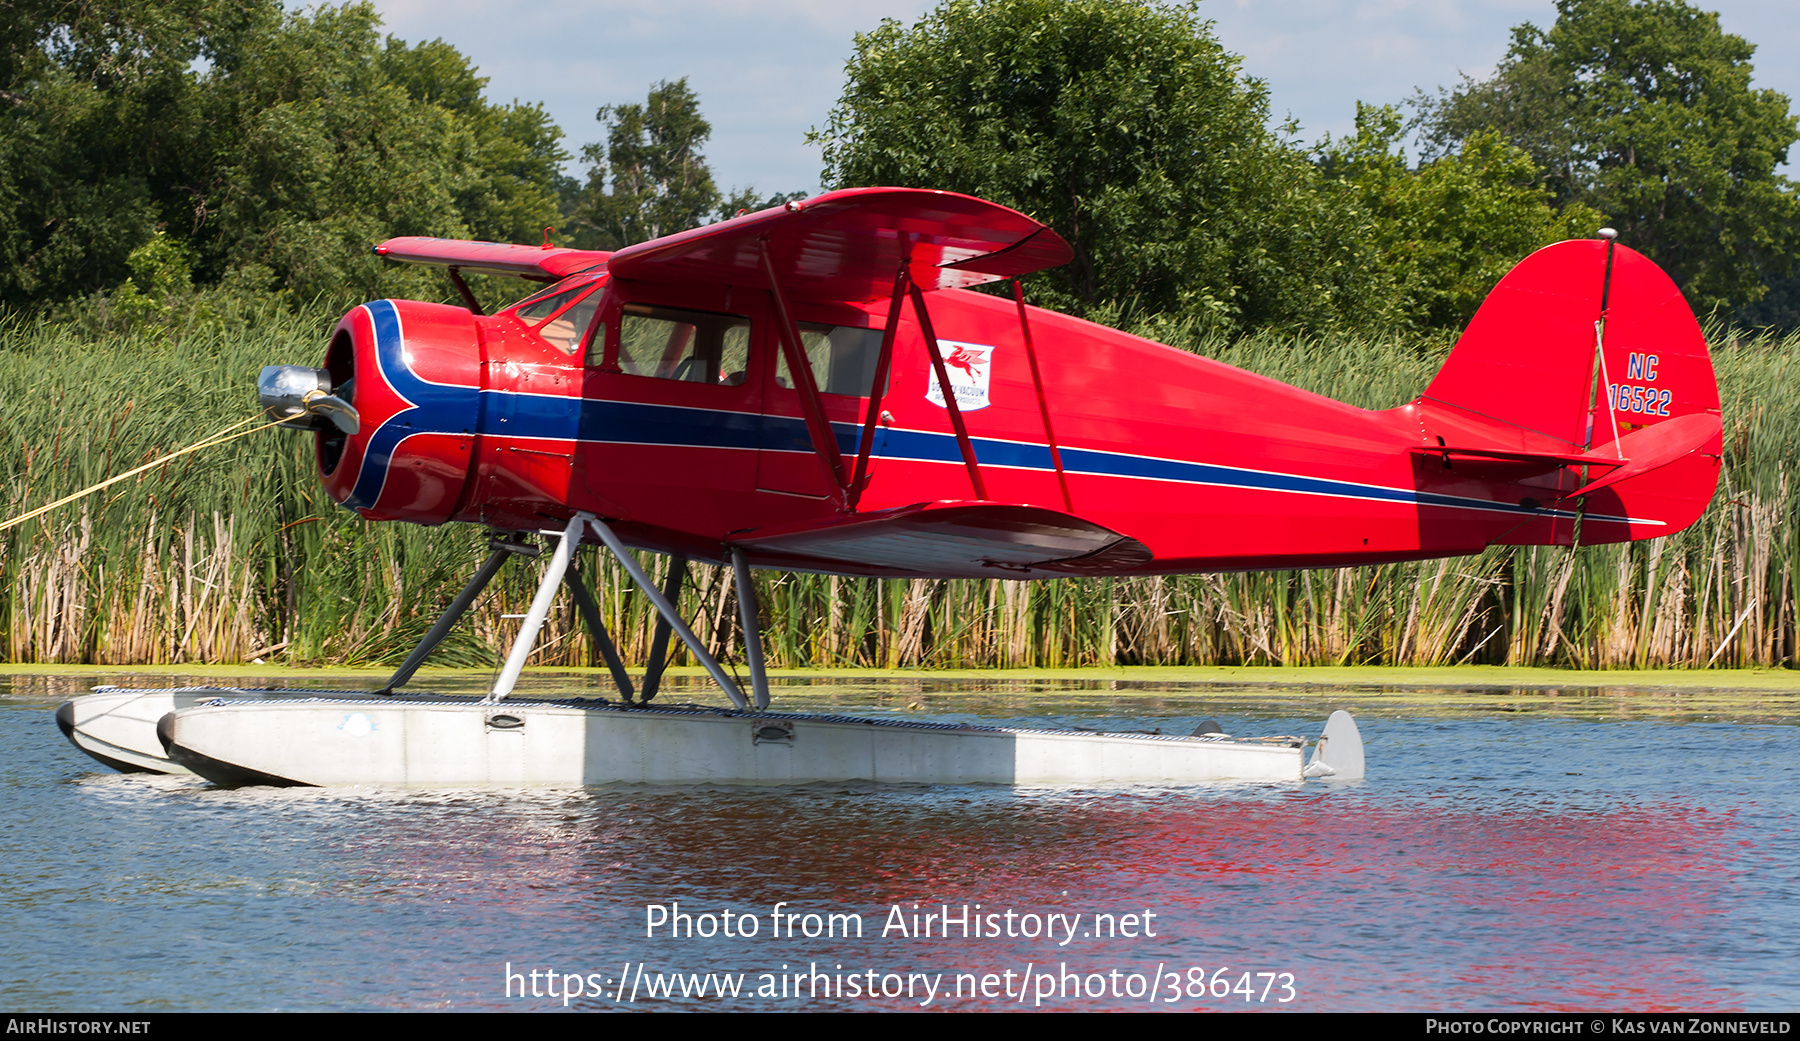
[(847, 245), (537, 263), (951, 540)]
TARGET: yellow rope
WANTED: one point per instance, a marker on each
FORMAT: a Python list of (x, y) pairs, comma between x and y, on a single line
[(208, 441)]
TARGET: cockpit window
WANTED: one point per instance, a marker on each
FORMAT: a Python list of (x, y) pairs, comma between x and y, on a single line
[(691, 346), (574, 283), (561, 318), (842, 358)]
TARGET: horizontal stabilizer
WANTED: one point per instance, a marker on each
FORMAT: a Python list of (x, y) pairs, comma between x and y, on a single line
[(955, 540), (1549, 459), (1652, 448), (1457, 434), (848, 245), (537, 263), (1462, 431)]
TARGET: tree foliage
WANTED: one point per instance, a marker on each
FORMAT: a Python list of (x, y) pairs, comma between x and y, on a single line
[(1129, 129), (648, 178), (1643, 110), (157, 149), (1449, 229), (1123, 125), (264, 149)]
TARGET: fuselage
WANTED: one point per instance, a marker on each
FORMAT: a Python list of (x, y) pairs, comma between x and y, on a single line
[(668, 410)]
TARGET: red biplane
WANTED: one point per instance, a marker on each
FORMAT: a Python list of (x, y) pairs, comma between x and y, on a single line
[(812, 388)]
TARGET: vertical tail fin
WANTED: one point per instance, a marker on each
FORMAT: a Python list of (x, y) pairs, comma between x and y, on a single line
[(1635, 423)]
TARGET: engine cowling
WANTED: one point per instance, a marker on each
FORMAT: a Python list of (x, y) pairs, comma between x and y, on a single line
[(412, 371)]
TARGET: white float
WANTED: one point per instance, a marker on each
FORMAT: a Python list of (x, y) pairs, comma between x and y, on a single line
[(444, 742)]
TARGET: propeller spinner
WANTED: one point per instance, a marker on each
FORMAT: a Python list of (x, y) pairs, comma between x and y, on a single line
[(290, 392)]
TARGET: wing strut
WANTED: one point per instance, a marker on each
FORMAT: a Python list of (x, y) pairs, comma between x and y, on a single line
[(462, 287), (943, 378), (1037, 382), (818, 426), (866, 444)]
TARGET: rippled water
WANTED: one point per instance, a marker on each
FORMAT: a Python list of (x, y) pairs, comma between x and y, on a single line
[(1592, 852)]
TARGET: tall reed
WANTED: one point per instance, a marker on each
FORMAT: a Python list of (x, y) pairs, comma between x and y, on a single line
[(236, 554)]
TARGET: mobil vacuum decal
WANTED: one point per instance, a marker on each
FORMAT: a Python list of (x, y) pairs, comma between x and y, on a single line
[(968, 365)]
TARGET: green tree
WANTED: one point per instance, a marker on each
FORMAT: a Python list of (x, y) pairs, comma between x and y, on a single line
[(261, 148), (1449, 230), (98, 131), (1778, 309), (339, 142), (649, 179), (1643, 110), (518, 153), (1127, 128), (749, 200)]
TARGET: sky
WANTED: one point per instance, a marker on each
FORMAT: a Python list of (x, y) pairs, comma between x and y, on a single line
[(768, 72)]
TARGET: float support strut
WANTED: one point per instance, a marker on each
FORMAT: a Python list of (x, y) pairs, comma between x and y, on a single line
[(452, 614), (540, 607), (752, 626), (659, 641), (664, 608), (590, 613)]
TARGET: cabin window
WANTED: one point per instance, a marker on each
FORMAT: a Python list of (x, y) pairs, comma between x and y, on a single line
[(691, 346), (561, 318), (842, 357), (533, 305)]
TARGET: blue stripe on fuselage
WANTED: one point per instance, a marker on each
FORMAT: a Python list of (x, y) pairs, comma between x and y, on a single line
[(620, 422)]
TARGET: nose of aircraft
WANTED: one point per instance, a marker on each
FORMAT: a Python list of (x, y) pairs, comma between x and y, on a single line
[(394, 410)]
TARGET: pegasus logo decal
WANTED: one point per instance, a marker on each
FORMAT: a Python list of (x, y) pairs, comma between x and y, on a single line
[(968, 366), (963, 358)]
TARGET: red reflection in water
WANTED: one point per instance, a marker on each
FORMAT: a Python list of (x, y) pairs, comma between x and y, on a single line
[(1446, 904), (1375, 908)]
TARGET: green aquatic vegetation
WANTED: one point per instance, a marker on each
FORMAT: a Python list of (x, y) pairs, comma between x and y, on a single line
[(235, 554)]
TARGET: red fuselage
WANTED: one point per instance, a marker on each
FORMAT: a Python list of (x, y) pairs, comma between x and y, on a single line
[(667, 410)]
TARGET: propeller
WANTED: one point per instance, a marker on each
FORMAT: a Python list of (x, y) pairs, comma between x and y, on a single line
[(291, 392)]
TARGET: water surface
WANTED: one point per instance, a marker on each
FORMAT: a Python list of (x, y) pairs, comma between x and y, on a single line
[(1544, 850)]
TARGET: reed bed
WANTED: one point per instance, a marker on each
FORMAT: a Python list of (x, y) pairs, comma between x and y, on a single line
[(234, 554)]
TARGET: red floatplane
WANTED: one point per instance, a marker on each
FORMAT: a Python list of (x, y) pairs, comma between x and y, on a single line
[(812, 388)]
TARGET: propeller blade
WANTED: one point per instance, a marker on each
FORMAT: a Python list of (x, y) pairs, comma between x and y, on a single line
[(341, 413)]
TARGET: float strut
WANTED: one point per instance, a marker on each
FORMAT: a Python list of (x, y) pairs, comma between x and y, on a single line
[(659, 643), (753, 650), (540, 607), (453, 613), (665, 609), (590, 613)]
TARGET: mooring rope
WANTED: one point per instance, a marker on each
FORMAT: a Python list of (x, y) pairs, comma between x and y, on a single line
[(208, 441)]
